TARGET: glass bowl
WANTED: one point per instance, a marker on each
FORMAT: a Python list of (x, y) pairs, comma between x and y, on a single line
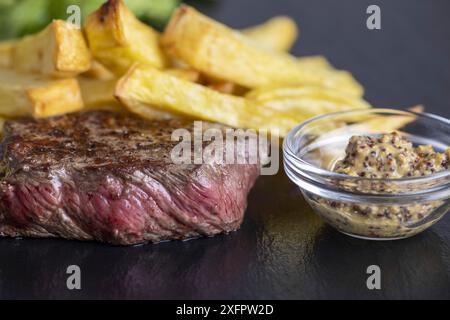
[(376, 209)]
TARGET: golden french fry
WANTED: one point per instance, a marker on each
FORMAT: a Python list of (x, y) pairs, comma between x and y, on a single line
[(98, 71), (311, 62), (99, 95), (384, 124), (364, 124), (418, 108), (185, 74), (25, 94), (118, 39), (278, 33), (306, 102), (59, 50), (223, 87), (374, 123), (220, 52), (6, 53), (145, 89)]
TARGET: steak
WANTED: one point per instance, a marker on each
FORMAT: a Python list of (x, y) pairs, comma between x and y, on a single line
[(108, 177)]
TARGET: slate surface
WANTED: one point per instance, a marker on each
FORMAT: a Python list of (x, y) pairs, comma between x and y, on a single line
[(283, 251)]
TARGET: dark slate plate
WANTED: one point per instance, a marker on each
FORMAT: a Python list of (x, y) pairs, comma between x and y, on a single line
[(283, 250)]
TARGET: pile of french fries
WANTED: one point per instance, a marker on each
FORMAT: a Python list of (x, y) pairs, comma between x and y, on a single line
[(197, 68)]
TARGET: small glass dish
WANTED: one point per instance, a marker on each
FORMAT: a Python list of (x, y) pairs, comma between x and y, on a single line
[(375, 209)]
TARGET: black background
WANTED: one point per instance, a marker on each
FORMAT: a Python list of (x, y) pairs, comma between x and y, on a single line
[(283, 251)]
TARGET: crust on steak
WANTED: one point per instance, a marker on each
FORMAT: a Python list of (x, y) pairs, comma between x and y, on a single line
[(109, 177)]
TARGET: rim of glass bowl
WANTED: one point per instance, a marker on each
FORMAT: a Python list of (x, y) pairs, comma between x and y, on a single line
[(316, 177)]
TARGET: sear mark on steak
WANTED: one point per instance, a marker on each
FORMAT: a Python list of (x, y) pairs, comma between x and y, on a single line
[(108, 177)]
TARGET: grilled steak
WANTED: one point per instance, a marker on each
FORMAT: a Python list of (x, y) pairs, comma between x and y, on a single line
[(101, 176)]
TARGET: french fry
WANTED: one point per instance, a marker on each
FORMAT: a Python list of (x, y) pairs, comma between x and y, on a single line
[(2, 123), (98, 71), (6, 53), (185, 74), (385, 124), (145, 88), (311, 62), (373, 124), (278, 33), (364, 123), (315, 63), (59, 50), (306, 101), (38, 96), (97, 93), (220, 52), (118, 39), (417, 108)]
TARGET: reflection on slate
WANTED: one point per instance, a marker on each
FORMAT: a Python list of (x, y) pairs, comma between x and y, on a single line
[(283, 251)]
